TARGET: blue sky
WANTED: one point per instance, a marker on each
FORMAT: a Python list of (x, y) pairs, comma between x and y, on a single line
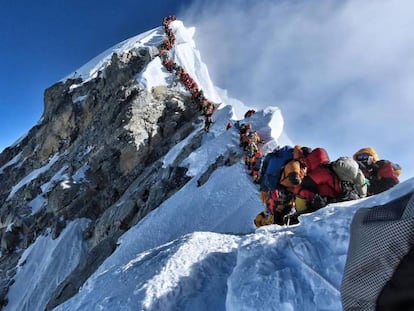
[(45, 40)]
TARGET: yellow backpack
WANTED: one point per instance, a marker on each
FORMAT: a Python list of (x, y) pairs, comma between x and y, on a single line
[(292, 174)]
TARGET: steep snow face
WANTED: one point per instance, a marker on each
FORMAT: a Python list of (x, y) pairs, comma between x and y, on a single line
[(185, 54), (294, 268), (180, 275), (91, 69), (44, 265)]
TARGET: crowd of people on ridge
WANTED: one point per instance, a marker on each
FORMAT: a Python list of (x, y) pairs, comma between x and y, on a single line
[(293, 180), (297, 180), (206, 107)]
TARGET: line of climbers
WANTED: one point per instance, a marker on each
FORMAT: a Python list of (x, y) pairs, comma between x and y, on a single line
[(293, 180), (206, 107), (297, 180)]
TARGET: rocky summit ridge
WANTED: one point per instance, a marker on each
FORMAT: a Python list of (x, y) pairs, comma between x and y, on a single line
[(96, 154)]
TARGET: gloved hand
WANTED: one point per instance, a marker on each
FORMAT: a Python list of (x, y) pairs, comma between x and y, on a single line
[(318, 202), (279, 207)]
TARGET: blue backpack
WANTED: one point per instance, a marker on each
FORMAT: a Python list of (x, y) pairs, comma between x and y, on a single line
[(273, 164)]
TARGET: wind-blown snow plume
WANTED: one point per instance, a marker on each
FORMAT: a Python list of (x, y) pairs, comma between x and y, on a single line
[(345, 66)]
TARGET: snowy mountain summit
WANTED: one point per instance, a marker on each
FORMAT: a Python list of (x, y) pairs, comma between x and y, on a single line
[(119, 200)]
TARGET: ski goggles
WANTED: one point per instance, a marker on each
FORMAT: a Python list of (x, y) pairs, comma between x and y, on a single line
[(365, 157)]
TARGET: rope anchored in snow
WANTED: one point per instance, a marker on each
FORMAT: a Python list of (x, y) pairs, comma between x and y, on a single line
[(206, 107)]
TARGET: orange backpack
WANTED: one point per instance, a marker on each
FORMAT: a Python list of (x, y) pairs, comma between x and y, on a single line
[(292, 174)]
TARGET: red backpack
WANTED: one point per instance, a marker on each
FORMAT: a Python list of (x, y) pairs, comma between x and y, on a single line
[(327, 182), (317, 157), (387, 169), (321, 181)]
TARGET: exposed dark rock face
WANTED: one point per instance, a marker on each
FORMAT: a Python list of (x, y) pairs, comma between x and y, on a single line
[(228, 160), (96, 154)]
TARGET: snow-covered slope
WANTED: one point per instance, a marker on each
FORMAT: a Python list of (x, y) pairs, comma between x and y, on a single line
[(200, 250), (44, 265), (183, 53), (159, 267)]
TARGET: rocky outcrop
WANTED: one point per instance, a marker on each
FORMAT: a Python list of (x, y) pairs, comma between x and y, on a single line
[(97, 154), (232, 157)]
